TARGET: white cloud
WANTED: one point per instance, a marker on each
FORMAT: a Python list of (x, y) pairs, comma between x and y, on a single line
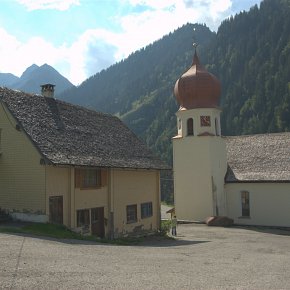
[(15, 56), (154, 4), (162, 17), (89, 54), (48, 4), (97, 49), (92, 52)]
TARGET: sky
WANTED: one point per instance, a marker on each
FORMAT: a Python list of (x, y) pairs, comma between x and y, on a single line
[(81, 37)]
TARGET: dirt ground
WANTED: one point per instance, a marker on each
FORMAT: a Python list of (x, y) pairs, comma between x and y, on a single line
[(200, 258)]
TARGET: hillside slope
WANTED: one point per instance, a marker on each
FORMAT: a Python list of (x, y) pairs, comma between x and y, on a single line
[(140, 89), (250, 54), (251, 57)]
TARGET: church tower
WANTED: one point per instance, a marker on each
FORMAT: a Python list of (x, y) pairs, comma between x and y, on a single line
[(199, 150)]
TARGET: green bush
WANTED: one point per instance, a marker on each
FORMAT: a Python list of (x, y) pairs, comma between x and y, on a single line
[(165, 227)]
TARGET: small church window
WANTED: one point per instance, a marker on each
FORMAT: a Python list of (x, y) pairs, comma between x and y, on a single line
[(190, 127), (179, 124), (245, 196), (217, 127)]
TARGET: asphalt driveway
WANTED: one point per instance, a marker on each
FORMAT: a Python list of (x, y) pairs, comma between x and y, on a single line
[(201, 258)]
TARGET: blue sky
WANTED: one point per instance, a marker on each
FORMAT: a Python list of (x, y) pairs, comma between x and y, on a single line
[(81, 37)]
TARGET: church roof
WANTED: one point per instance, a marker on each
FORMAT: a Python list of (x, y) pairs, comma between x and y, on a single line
[(67, 134), (258, 158)]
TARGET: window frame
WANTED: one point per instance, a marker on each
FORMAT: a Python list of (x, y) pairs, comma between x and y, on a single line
[(245, 203), (91, 178), (88, 178), (190, 127), (131, 213), (146, 209), (217, 127)]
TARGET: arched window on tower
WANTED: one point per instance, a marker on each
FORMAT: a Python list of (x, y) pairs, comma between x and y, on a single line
[(217, 127), (190, 127)]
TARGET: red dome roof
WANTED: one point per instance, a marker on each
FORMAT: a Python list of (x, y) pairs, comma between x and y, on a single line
[(197, 88)]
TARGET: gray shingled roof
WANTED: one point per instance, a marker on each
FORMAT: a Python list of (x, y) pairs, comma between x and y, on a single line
[(258, 158), (66, 134)]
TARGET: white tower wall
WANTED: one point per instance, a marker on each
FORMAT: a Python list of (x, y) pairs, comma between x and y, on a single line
[(199, 163)]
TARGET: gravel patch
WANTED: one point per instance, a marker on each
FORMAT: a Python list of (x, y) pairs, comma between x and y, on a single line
[(200, 258)]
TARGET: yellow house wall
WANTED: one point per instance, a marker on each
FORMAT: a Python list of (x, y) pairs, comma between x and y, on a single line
[(130, 187), (88, 199), (22, 178), (269, 203), (58, 184)]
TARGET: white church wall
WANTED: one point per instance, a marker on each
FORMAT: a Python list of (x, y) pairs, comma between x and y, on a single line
[(269, 203), (199, 169)]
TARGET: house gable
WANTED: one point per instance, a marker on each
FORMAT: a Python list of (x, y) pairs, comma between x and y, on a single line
[(22, 177)]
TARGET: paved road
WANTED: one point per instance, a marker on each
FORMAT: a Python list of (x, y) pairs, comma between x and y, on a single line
[(201, 258)]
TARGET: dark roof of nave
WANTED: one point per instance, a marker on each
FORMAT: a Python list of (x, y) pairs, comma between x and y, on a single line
[(258, 158)]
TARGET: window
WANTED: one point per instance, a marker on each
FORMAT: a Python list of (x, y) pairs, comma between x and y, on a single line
[(217, 129), (83, 218), (146, 210), (190, 127), (132, 213), (245, 196), (89, 178), (56, 210), (179, 123)]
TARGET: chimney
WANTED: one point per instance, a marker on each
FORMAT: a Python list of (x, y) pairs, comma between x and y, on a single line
[(47, 90)]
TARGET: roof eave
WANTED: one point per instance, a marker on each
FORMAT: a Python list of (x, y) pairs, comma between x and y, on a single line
[(257, 181)]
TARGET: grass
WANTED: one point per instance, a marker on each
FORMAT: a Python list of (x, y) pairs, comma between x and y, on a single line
[(61, 232), (39, 229)]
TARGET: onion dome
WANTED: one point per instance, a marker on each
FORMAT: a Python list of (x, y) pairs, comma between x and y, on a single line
[(197, 88)]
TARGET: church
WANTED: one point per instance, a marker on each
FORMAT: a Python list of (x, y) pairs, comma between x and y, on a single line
[(246, 178)]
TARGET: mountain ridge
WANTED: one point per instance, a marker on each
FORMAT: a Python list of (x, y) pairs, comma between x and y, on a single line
[(33, 77)]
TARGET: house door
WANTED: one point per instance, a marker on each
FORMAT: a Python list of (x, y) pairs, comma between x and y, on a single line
[(97, 222), (56, 209)]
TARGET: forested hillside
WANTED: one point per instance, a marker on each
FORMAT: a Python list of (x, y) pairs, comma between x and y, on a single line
[(140, 89), (251, 57), (250, 54)]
